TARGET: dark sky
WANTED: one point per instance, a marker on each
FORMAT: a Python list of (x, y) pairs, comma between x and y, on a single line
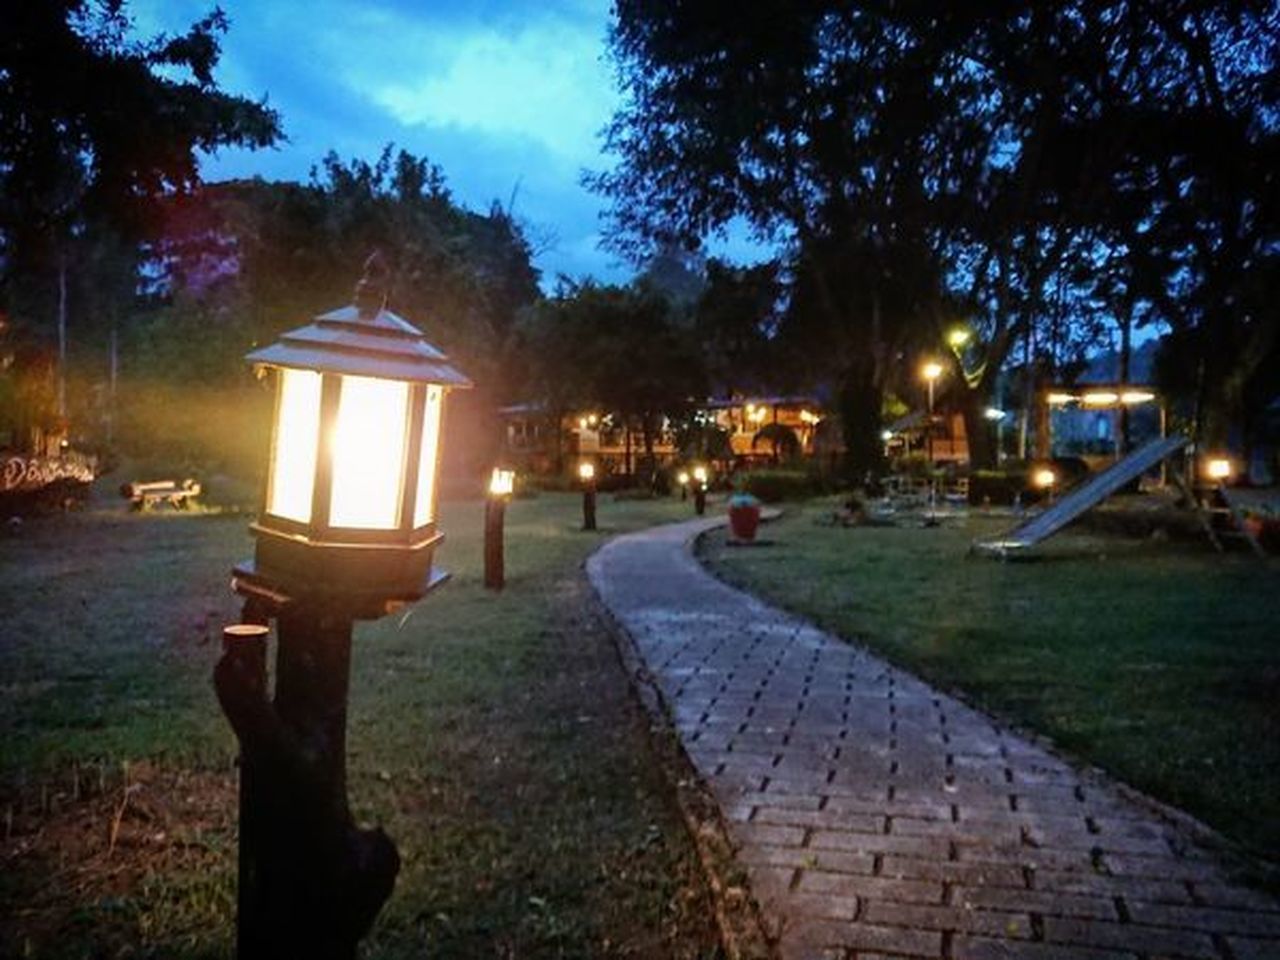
[(508, 97)]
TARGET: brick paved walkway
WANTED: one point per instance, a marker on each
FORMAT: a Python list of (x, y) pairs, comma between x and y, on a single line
[(877, 816)]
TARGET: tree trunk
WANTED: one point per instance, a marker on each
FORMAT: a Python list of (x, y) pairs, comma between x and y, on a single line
[(859, 403), (978, 430)]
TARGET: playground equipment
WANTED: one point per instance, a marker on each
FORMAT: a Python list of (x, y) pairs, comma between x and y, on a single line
[(1089, 494)]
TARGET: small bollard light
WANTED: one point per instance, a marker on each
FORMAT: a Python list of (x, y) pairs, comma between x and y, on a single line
[(587, 474), (699, 490), (1046, 479), (1218, 469), (501, 487)]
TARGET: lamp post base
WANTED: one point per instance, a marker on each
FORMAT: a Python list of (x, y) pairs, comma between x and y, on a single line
[(311, 881)]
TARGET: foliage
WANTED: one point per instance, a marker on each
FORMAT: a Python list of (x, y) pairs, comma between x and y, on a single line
[(1035, 172), (773, 486), (620, 350), (736, 320), (95, 129)]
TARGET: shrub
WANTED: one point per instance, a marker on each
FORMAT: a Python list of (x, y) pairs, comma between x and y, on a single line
[(772, 486)]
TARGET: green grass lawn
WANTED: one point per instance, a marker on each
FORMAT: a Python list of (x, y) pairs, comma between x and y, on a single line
[(1157, 661), (493, 735)]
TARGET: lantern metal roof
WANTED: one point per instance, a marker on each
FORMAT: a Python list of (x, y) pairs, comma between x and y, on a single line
[(345, 341), (363, 339)]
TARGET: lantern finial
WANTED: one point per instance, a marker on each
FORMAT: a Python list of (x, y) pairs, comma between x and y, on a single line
[(373, 287)]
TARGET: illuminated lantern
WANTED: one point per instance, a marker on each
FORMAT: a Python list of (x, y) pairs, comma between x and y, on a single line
[(502, 483), (350, 503), (586, 471)]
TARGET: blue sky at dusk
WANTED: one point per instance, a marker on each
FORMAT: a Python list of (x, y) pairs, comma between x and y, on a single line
[(507, 97)]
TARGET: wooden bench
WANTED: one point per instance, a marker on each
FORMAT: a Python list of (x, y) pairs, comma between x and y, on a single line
[(145, 495)]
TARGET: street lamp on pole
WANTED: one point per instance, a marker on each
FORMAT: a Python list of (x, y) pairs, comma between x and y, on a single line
[(587, 474), (347, 532), (931, 371)]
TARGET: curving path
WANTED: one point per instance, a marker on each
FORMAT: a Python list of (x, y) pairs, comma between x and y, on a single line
[(877, 816)]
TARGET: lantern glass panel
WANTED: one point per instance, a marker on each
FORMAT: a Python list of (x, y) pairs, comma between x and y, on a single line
[(297, 436), (425, 505), (368, 453)]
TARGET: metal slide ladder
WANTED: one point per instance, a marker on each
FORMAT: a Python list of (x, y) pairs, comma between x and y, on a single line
[(1089, 494)]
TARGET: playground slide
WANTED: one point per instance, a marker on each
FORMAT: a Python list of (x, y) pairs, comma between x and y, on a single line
[(1089, 494)]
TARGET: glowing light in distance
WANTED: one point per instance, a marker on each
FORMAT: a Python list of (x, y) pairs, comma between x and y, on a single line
[(958, 337), (700, 474), (886, 435), (682, 477), (1061, 398), (931, 370), (502, 482), (1102, 398), (368, 453), (1218, 468), (1137, 396), (586, 471), (1044, 477), (993, 413), (293, 466)]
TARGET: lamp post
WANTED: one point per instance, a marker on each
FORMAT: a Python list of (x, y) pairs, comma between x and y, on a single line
[(682, 478), (996, 415), (931, 371), (1046, 479), (347, 532), (587, 474), (699, 490), (501, 486)]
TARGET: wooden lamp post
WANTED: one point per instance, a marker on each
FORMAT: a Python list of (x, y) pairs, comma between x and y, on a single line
[(347, 532), (501, 486)]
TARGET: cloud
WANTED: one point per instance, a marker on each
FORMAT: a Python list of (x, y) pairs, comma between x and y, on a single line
[(543, 83), (504, 96)]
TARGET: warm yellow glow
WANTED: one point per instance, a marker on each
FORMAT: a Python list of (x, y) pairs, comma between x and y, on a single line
[(700, 474), (592, 419), (886, 435), (1137, 396), (1061, 398), (368, 453), (1218, 468), (424, 507), (757, 414), (682, 478), (582, 423), (293, 467), (1100, 398), (931, 370), (809, 418), (587, 471), (502, 483), (1044, 477), (958, 337)]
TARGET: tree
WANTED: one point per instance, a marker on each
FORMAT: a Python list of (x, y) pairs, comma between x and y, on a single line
[(618, 349), (97, 129), (736, 321), (927, 165)]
